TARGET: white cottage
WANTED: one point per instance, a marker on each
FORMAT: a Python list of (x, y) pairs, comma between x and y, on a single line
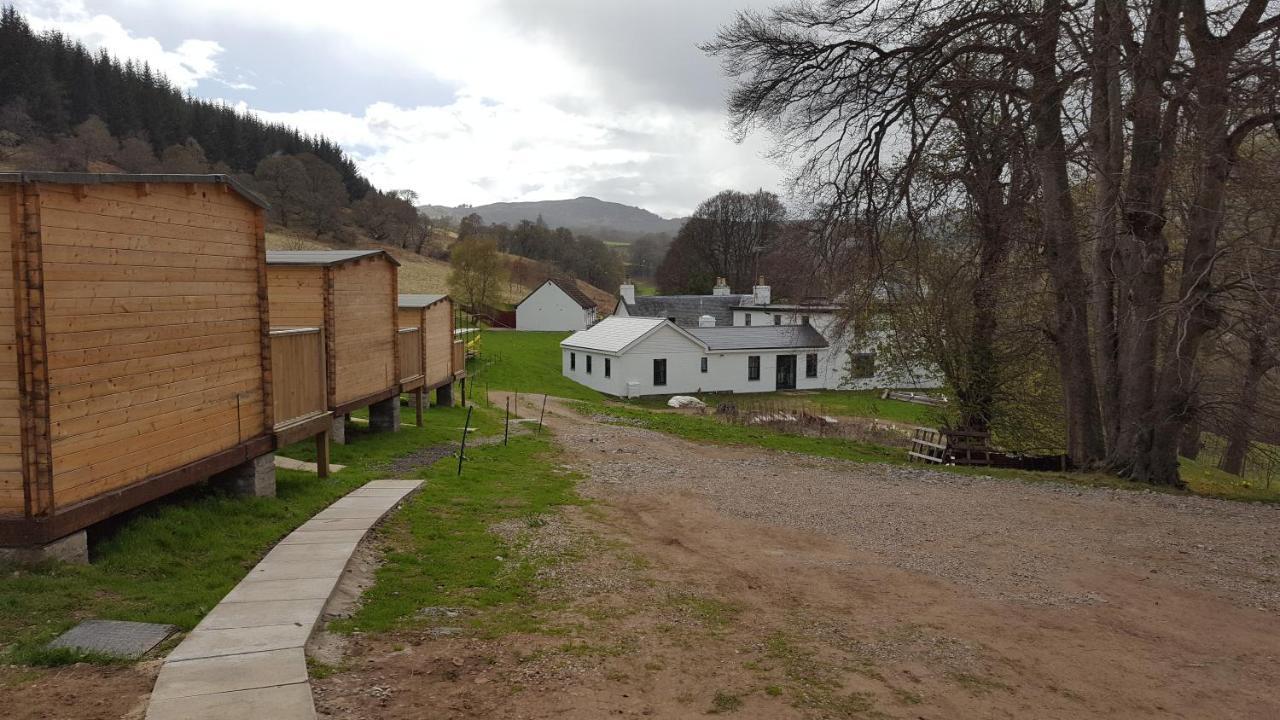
[(556, 305), (847, 362), (631, 357)]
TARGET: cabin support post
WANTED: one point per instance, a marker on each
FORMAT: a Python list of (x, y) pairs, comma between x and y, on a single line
[(73, 548), (419, 397), (322, 454), (338, 429), (444, 395), (384, 415), (255, 477)]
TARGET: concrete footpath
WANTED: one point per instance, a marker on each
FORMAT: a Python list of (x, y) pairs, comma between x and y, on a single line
[(246, 658)]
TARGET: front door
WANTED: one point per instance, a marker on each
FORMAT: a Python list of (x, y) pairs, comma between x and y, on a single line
[(786, 372)]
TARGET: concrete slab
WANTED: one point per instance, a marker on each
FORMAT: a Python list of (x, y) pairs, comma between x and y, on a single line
[(304, 589), (245, 659), (282, 702), (405, 485), (230, 673), (290, 570), (238, 641), (259, 613), (114, 637), (307, 552), (285, 463), (312, 537), (314, 524)]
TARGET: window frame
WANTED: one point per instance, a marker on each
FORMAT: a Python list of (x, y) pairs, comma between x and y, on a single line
[(573, 362), (777, 319), (704, 363), (659, 363), (588, 364), (753, 368), (811, 365), (747, 320), (608, 367)]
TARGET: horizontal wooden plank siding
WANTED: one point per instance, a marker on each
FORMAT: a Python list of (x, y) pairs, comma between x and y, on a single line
[(296, 295), (11, 479), (437, 342), (297, 373), (155, 331), (364, 335)]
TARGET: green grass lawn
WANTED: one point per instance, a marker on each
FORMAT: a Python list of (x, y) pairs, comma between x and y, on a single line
[(848, 403), (442, 551), (173, 560), (525, 362)]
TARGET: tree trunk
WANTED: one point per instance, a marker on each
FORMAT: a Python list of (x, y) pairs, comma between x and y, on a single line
[(1085, 444), (1246, 407), (1189, 444), (1141, 249), (1106, 136)]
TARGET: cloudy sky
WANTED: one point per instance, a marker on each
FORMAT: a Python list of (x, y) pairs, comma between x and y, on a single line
[(463, 101)]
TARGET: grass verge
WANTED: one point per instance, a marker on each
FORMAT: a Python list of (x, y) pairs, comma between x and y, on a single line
[(171, 561), (443, 554)]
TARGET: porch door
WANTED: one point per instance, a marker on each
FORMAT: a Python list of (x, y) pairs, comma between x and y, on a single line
[(786, 372)]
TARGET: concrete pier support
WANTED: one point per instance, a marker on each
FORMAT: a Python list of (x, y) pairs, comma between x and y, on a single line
[(338, 430), (73, 548), (444, 395), (253, 478), (385, 416)]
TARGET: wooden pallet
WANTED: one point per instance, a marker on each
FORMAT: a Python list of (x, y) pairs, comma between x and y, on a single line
[(929, 446)]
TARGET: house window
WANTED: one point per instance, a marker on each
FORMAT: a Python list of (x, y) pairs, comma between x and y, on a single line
[(573, 361), (777, 319), (659, 372), (608, 367), (747, 319), (862, 365), (753, 367), (704, 364), (804, 319), (811, 365), (588, 364)]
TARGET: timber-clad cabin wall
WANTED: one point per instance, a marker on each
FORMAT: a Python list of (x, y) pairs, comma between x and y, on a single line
[(134, 348), (352, 297), (434, 318)]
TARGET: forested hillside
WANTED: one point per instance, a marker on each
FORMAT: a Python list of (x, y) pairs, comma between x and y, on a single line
[(51, 85)]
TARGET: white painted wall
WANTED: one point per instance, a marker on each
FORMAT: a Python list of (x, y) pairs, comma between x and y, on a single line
[(549, 308), (836, 367), (726, 372)]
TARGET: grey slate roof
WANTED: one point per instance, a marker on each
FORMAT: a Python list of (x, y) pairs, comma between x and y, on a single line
[(568, 287), (74, 178), (686, 309), (321, 257), (767, 337), (420, 301)]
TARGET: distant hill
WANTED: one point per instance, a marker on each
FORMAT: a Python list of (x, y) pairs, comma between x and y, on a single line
[(584, 215)]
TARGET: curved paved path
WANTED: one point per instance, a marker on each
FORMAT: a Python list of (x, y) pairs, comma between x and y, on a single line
[(246, 658)]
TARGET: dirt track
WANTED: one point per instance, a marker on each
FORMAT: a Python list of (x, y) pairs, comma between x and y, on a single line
[(769, 586)]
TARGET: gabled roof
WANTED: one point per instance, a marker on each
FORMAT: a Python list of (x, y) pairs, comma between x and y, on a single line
[(568, 288), (320, 258), (74, 178), (686, 309), (765, 337), (420, 301), (616, 334)]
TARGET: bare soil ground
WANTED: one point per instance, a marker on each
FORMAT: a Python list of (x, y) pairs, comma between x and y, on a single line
[(713, 580)]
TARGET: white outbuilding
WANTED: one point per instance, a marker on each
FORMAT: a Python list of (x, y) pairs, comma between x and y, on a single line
[(556, 305), (635, 356)]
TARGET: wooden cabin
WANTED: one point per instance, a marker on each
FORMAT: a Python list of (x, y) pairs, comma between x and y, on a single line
[(432, 320), (349, 297), (134, 348)]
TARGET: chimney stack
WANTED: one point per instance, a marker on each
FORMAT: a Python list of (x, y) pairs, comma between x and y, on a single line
[(707, 321), (762, 293), (721, 288), (628, 292)]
